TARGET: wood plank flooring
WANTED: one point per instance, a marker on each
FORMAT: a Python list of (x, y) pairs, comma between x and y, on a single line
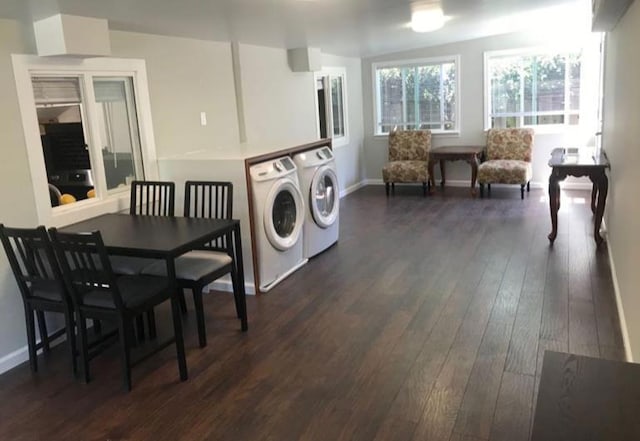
[(428, 321)]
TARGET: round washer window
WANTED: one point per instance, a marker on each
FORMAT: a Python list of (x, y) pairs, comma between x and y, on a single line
[(325, 198), (284, 213)]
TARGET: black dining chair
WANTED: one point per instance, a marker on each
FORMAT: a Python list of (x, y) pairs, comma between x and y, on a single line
[(196, 269), (148, 198), (99, 294), (41, 285)]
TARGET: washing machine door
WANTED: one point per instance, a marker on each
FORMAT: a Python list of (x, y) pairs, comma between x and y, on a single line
[(283, 214), (323, 197)]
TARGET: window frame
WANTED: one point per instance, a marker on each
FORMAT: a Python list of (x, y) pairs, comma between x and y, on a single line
[(27, 66), (333, 72), (456, 59), (537, 50)]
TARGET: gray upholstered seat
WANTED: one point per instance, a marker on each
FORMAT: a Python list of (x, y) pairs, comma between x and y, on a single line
[(192, 265)]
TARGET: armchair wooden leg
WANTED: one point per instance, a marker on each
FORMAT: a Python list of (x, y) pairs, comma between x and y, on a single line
[(481, 190), (393, 188), (386, 188), (489, 189), (522, 191), (424, 189), (528, 186)]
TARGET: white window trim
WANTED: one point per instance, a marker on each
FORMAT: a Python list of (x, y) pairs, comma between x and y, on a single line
[(418, 61), (544, 128), (24, 66), (333, 72)]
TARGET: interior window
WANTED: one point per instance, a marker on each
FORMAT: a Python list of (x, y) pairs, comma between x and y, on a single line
[(331, 99), (62, 132), (72, 153)]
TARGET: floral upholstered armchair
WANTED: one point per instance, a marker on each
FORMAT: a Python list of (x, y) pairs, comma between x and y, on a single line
[(508, 159), (408, 158)]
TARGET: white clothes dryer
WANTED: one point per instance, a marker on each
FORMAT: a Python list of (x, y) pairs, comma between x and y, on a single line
[(278, 220), (319, 184)]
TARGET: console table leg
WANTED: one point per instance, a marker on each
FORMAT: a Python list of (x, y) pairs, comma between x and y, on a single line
[(602, 184), (442, 175), (432, 183), (594, 195), (554, 205)]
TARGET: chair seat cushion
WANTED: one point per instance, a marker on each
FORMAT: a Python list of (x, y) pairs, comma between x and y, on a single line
[(504, 171), (135, 291), (48, 291), (192, 265), (405, 171), (129, 266)]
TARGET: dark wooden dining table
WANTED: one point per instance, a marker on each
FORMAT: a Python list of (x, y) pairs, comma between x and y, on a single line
[(165, 238)]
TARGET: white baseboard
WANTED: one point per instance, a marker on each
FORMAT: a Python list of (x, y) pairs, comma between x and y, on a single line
[(224, 284), (616, 288), (21, 355), (351, 189), (465, 183)]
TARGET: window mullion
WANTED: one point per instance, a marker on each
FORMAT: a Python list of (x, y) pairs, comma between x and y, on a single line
[(416, 98), (567, 99), (94, 138), (441, 96), (404, 97), (521, 95)]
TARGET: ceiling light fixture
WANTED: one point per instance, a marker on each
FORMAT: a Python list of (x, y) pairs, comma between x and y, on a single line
[(427, 17)]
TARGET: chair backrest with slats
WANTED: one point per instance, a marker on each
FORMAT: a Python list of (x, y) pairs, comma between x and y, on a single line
[(209, 199), (85, 266), (32, 260), (152, 198)]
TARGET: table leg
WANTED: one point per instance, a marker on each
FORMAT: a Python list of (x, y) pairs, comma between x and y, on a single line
[(602, 184), (240, 274), (177, 319), (442, 174), (554, 205), (431, 179), (474, 174), (594, 195)]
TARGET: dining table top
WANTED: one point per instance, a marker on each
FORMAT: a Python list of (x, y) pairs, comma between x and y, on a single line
[(152, 236)]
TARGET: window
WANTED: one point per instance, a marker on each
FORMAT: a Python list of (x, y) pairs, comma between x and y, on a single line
[(533, 88), (88, 132), (331, 105), (417, 94)]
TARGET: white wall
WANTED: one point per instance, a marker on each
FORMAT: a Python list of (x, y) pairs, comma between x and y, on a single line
[(16, 197), (472, 105), (278, 104), (621, 137), (186, 77)]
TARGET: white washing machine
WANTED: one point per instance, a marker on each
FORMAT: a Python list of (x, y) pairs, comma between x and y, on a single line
[(319, 185), (279, 212)]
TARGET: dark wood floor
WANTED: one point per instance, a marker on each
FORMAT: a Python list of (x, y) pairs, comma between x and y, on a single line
[(428, 321)]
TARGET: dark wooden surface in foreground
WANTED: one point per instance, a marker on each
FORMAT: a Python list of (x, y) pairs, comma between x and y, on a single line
[(427, 321), (584, 398)]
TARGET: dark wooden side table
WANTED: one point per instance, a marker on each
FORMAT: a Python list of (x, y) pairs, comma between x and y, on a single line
[(467, 153), (582, 398), (563, 165)]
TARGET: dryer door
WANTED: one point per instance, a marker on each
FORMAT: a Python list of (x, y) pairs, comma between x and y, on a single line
[(323, 197), (283, 214)]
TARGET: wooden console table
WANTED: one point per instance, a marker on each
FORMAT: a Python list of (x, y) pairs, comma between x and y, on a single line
[(564, 165), (582, 398), (468, 153)]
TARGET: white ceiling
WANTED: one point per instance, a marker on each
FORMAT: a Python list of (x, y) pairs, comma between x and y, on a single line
[(358, 28)]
